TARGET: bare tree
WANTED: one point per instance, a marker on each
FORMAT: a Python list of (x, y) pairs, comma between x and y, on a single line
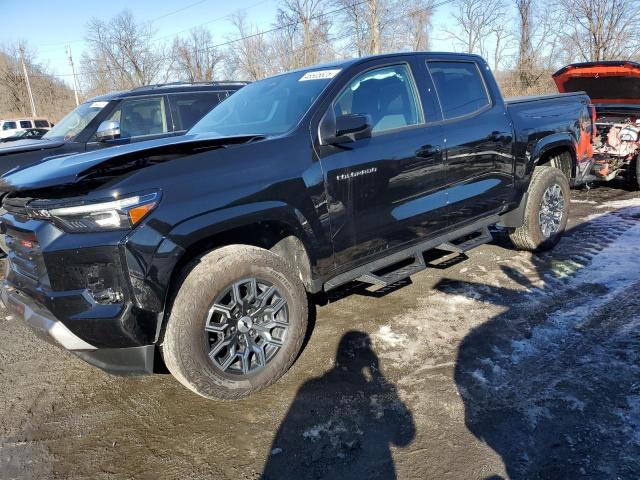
[(476, 23), (249, 53), (502, 35), (601, 30), (302, 37), (195, 58), (367, 25), (415, 26), (539, 44), (121, 54), (53, 98), (525, 62), (14, 90)]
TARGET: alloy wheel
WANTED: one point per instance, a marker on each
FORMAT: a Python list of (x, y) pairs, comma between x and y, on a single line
[(551, 210), (246, 326)]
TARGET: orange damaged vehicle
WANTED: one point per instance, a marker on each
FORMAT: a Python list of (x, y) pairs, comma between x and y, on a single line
[(614, 89)]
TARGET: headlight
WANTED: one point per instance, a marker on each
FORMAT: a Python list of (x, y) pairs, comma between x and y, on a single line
[(97, 217)]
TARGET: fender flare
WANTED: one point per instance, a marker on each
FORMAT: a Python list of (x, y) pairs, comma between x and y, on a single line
[(174, 246), (550, 142), (200, 227)]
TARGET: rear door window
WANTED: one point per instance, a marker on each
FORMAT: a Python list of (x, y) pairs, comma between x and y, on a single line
[(9, 126), (460, 86), (41, 123), (188, 108), (25, 124)]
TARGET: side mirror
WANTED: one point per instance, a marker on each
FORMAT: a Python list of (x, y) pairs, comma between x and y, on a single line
[(345, 128), (108, 130)]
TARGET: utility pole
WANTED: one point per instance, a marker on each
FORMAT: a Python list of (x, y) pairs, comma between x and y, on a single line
[(26, 79), (73, 73)]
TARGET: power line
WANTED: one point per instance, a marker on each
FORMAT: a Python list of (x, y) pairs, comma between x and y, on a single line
[(217, 19), (186, 7), (253, 35), (52, 46), (282, 27)]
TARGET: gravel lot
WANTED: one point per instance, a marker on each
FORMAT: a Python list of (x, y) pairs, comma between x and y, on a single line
[(506, 365)]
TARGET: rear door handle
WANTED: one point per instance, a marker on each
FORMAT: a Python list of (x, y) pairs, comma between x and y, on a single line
[(497, 136)]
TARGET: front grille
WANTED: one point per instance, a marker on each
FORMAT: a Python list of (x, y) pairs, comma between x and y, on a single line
[(25, 256), (17, 206)]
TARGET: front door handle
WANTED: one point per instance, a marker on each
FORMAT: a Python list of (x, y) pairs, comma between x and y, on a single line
[(428, 151)]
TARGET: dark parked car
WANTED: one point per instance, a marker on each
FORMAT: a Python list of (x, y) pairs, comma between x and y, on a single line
[(204, 248), (29, 133), (144, 113)]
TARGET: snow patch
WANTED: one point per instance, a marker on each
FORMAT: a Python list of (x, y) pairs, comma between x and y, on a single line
[(389, 336), (630, 202)]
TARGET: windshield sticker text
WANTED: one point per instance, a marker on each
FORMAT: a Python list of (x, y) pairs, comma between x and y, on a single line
[(319, 75)]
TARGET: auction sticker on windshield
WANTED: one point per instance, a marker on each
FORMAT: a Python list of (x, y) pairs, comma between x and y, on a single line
[(319, 75), (99, 104)]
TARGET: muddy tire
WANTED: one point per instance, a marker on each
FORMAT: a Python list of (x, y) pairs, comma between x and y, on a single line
[(546, 212), (237, 322), (562, 162), (634, 176)]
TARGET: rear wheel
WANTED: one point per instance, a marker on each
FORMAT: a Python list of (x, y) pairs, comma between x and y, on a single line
[(237, 323), (634, 173), (562, 162), (545, 217)]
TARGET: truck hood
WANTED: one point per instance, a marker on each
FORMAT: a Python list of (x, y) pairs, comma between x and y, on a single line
[(111, 162), (28, 145), (604, 82)]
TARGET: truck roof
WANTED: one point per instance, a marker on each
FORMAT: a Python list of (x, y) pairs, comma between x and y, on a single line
[(354, 61)]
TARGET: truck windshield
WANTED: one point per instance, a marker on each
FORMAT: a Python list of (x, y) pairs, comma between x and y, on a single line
[(72, 124), (269, 107)]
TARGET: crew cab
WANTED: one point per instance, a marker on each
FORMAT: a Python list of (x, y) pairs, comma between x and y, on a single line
[(119, 118), (614, 89), (205, 249)]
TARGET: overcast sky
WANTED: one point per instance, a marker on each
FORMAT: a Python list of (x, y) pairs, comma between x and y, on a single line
[(49, 26)]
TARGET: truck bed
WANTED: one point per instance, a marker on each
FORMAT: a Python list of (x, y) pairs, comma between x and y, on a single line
[(537, 98)]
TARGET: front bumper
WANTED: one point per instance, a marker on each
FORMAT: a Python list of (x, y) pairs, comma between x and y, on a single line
[(40, 319), (119, 361)]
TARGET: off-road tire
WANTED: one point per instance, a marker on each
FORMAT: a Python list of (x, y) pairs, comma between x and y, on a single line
[(634, 174), (183, 343), (562, 162), (529, 236)]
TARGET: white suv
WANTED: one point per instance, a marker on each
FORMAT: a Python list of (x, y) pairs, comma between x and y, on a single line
[(10, 127)]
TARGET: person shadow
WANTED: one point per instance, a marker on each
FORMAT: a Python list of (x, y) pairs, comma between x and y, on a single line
[(342, 424), (552, 383)]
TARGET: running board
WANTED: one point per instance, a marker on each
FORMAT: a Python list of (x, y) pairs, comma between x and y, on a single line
[(395, 275), (365, 273), (484, 236)]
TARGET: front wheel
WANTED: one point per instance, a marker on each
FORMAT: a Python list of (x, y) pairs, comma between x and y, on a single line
[(546, 211), (237, 322)]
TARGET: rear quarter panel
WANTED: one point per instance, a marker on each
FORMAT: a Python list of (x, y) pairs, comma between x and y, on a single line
[(545, 123)]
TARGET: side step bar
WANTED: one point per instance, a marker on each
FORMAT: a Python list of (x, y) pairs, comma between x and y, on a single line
[(395, 275), (483, 237), (447, 242)]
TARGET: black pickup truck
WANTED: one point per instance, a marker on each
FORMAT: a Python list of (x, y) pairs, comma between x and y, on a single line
[(205, 249)]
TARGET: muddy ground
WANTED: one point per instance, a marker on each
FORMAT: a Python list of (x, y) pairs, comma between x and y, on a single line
[(506, 365)]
